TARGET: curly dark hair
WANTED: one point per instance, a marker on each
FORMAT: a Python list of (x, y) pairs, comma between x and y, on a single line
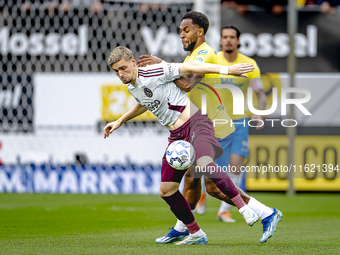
[(198, 19)]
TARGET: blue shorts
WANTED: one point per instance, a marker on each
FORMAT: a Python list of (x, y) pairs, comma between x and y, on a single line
[(226, 144), (241, 137)]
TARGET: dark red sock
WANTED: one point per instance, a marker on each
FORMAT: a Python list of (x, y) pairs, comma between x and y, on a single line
[(181, 208)]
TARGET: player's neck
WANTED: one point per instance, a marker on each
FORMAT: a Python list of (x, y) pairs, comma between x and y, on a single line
[(134, 77), (230, 57), (198, 44)]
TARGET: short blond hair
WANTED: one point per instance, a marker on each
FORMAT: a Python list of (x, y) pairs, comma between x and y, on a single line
[(118, 53)]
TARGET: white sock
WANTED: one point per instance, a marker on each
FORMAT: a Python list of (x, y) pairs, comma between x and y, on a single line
[(204, 190), (198, 233), (235, 178), (181, 185), (225, 207), (260, 209), (180, 226)]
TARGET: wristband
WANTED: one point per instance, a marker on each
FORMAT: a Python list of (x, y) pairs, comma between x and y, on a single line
[(224, 70)]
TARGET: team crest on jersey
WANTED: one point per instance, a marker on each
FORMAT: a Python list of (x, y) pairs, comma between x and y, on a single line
[(148, 92), (199, 59), (202, 52)]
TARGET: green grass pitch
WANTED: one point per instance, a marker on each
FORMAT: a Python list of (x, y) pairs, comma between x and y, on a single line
[(129, 224)]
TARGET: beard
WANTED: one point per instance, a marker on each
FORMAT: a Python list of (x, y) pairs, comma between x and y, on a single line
[(229, 51), (190, 47)]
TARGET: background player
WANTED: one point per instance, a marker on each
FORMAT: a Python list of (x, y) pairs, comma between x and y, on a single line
[(154, 90), (193, 29)]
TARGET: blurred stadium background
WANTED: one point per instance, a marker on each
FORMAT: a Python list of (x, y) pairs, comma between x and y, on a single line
[(57, 92)]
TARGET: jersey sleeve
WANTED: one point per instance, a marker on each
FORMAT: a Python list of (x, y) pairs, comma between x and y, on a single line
[(171, 71), (162, 73)]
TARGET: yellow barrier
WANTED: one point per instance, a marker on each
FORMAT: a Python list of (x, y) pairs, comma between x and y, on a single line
[(116, 100), (316, 165)]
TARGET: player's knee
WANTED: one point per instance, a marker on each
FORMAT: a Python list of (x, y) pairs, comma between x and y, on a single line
[(167, 189), (165, 192)]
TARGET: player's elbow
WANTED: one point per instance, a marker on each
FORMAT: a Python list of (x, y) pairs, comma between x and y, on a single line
[(183, 84), (186, 88)]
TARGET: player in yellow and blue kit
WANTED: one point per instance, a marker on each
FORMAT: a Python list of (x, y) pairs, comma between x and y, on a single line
[(228, 56), (193, 29), (215, 108)]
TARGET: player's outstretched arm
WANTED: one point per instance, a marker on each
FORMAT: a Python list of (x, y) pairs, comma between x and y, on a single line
[(135, 111), (184, 83), (204, 68)]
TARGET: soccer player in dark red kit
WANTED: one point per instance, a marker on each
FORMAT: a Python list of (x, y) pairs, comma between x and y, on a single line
[(154, 90)]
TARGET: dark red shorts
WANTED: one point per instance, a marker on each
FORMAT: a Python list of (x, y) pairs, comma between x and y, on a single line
[(199, 131)]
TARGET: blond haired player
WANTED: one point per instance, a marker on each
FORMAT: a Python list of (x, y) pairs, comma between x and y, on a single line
[(154, 90)]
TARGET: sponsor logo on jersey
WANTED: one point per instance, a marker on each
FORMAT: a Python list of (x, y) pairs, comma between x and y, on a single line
[(199, 59), (245, 143), (202, 52), (148, 92), (153, 105), (233, 81)]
